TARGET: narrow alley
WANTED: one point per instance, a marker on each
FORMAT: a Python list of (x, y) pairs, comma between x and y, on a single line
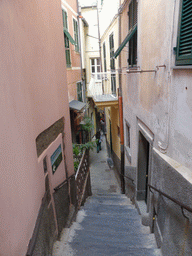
[(108, 223)]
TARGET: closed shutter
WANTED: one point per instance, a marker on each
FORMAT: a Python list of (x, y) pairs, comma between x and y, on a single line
[(184, 45)]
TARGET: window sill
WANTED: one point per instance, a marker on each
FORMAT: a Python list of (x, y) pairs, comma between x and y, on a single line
[(187, 67)]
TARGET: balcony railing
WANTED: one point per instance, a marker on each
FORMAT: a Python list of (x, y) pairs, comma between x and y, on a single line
[(102, 84)]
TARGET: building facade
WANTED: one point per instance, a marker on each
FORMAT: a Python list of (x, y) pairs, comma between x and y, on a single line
[(74, 66), (155, 56), (109, 42), (37, 173)]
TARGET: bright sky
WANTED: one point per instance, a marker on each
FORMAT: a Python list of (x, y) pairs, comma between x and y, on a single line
[(105, 15)]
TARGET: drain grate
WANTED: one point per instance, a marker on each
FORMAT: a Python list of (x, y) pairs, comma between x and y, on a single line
[(103, 161)]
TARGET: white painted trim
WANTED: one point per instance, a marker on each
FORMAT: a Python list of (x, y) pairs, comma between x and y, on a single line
[(76, 68), (68, 6)]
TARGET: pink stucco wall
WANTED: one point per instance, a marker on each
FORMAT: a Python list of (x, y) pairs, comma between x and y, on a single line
[(32, 97)]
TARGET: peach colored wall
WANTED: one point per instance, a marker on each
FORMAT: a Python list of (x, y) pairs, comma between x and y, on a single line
[(73, 76), (74, 72), (32, 97)]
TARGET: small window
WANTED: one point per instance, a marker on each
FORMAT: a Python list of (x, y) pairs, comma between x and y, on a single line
[(96, 68), (133, 41), (184, 43), (118, 131), (66, 39), (104, 59), (76, 38), (128, 142), (112, 64), (79, 92)]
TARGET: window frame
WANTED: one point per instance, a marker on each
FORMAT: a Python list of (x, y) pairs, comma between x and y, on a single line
[(132, 46), (76, 34), (96, 66), (128, 140), (182, 59), (66, 39), (112, 63), (79, 91), (105, 60)]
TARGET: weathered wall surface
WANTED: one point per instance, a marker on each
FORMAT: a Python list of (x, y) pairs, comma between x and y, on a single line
[(32, 98), (160, 103)]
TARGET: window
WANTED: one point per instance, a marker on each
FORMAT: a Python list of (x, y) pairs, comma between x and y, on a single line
[(128, 143), (184, 43), (79, 92), (66, 39), (104, 60), (76, 38), (112, 64), (118, 131), (133, 41), (96, 68)]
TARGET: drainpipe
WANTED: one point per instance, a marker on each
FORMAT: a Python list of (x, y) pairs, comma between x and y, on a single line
[(79, 36), (120, 98), (99, 44)]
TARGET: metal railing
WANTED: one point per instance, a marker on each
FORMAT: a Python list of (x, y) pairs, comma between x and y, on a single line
[(81, 177), (183, 206), (102, 84)]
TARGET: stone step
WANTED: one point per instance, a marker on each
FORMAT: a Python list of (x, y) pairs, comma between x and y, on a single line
[(110, 214), (135, 227), (110, 201), (116, 251), (114, 238)]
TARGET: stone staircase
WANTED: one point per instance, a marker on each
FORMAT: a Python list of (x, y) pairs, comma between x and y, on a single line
[(108, 224)]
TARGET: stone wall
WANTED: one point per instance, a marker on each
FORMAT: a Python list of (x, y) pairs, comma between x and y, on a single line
[(173, 231)]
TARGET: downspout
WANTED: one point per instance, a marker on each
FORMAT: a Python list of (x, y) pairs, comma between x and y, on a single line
[(79, 36), (99, 44), (120, 98)]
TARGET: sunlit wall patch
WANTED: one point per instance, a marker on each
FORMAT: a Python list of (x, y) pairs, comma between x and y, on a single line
[(56, 158)]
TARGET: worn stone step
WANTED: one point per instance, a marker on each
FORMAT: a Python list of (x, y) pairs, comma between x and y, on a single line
[(111, 233), (114, 202), (113, 251), (109, 219), (130, 242), (134, 228), (110, 208)]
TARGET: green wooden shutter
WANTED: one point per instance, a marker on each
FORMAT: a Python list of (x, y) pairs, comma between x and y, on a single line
[(104, 57), (65, 23), (184, 43), (79, 91), (75, 26), (133, 33)]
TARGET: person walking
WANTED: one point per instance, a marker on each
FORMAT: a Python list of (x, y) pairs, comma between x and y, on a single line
[(98, 140)]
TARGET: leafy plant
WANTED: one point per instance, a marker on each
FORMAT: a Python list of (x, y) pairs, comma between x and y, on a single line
[(88, 124), (76, 164), (76, 150), (88, 145)]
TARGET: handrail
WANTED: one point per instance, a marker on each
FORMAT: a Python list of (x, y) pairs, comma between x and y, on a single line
[(126, 177), (183, 206), (63, 182), (129, 179)]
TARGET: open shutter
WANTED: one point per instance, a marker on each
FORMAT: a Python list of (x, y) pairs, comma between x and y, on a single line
[(184, 44)]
